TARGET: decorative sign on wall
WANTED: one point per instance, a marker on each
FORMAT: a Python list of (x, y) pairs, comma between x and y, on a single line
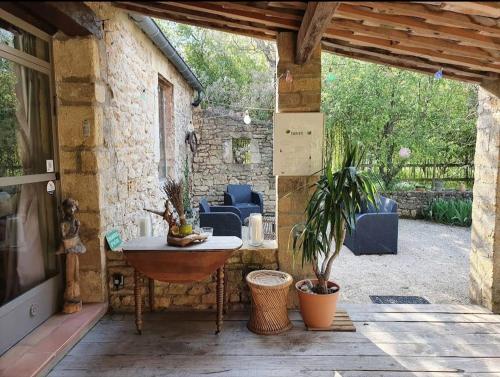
[(113, 239), (298, 143)]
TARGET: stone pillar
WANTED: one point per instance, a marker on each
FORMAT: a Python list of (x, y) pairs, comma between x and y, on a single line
[(485, 253), (80, 96), (302, 94)]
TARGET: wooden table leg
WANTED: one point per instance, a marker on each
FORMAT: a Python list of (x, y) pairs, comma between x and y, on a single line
[(151, 295), (220, 297), (226, 299), (138, 301)]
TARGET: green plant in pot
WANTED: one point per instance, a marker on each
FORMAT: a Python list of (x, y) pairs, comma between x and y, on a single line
[(331, 212)]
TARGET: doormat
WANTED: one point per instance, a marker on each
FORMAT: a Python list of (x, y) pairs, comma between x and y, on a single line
[(398, 300)]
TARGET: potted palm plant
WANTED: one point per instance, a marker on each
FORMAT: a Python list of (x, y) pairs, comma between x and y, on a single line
[(339, 194)]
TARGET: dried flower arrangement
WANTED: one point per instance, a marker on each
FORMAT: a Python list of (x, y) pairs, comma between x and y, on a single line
[(180, 233)]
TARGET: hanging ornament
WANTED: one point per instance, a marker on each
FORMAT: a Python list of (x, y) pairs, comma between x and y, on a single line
[(330, 77), (439, 74), (288, 76), (246, 119), (404, 153)]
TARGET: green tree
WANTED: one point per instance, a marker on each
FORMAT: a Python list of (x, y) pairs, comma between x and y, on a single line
[(236, 71), (388, 108)]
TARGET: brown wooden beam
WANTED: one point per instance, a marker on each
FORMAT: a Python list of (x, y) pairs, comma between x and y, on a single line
[(157, 10), (392, 63), (234, 14), (408, 60), (317, 18), (433, 14), (408, 39), (412, 51), (71, 17), (269, 35), (465, 36)]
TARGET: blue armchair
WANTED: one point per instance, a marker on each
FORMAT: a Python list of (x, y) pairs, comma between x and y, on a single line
[(225, 220), (243, 198), (376, 230)]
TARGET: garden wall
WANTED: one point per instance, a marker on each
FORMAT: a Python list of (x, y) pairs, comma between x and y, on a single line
[(230, 151), (411, 204)]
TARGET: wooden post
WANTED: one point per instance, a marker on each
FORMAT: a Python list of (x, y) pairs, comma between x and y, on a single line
[(303, 94)]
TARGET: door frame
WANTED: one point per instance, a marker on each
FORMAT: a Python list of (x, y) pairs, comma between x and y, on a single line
[(24, 313)]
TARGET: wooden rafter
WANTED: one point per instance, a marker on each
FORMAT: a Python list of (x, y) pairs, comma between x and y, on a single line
[(433, 14), (316, 19), (214, 25), (194, 15), (390, 62), (412, 51), (463, 38), (463, 35), (408, 60), (256, 16), (408, 39)]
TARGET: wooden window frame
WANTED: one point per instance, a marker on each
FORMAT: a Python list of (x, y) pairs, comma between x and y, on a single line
[(166, 127)]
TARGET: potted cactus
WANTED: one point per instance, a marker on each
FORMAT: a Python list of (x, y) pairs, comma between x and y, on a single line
[(330, 213)]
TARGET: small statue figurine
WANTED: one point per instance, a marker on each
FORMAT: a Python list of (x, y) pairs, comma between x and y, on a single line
[(72, 246)]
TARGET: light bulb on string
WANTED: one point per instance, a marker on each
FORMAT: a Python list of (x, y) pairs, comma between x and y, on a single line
[(246, 119), (288, 76), (330, 77), (439, 74), (404, 153)]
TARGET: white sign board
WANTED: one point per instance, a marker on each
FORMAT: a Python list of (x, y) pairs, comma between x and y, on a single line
[(298, 143)]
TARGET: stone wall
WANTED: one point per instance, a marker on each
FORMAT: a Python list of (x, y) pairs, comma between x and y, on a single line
[(411, 204), (485, 238), (108, 136), (215, 166), (199, 295)]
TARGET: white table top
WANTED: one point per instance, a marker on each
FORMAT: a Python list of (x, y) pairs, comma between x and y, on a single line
[(159, 244)]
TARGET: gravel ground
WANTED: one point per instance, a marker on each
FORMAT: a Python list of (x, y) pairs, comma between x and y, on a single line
[(432, 262)]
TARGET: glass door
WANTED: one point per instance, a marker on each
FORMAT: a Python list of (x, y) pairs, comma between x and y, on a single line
[(30, 281)]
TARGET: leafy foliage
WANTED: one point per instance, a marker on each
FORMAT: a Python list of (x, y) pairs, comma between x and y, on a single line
[(237, 72), (331, 211), (388, 108), (450, 211)]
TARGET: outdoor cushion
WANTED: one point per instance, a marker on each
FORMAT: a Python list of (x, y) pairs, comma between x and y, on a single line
[(241, 193), (204, 206), (246, 209)]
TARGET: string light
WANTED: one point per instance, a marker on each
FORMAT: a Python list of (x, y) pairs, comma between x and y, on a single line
[(439, 74), (288, 76), (404, 153), (246, 119), (330, 77)]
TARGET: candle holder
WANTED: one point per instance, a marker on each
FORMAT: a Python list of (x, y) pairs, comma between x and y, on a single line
[(256, 229)]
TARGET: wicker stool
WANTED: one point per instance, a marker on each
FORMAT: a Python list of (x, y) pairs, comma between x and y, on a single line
[(269, 290)]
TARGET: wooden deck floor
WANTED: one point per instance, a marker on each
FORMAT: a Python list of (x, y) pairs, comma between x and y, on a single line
[(391, 340)]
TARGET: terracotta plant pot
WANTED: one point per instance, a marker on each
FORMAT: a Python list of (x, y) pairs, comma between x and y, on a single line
[(317, 311)]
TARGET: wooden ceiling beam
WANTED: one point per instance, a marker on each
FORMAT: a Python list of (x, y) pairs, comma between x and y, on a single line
[(317, 18), (410, 40), (403, 59), (71, 17), (269, 35), (412, 51), (488, 9), (414, 25), (389, 62), (235, 14), (431, 14), (193, 15), (287, 14)]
